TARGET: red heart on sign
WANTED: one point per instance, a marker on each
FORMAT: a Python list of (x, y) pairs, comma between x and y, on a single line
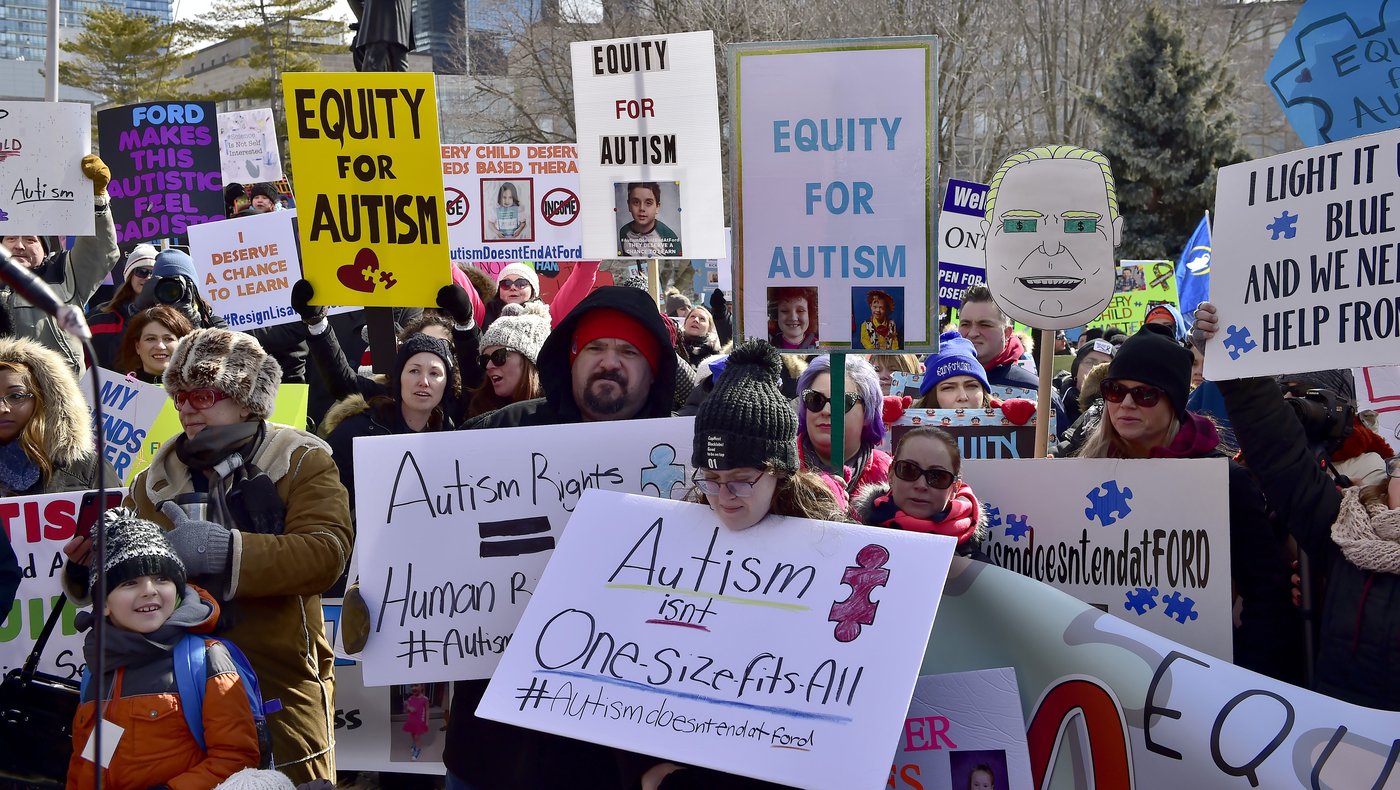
[(1018, 410), (359, 276)]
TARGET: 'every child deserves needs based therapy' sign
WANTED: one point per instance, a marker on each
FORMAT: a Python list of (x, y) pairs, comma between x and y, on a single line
[(647, 114), (42, 188), (372, 225), (164, 158), (834, 186), (787, 651), (1306, 265), (512, 202)]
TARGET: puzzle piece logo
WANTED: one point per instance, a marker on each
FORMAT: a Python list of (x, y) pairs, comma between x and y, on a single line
[(1141, 599), (361, 274), (1179, 608), (857, 609), (1238, 341), (993, 516), (1283, 225), (1017, 528), (3, 215), (661, 478), (1108, 503)]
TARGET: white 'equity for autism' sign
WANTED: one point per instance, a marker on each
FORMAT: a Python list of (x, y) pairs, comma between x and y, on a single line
[(455, 528), (787, 651), (1305, 267), (42, 187), (647, 112)]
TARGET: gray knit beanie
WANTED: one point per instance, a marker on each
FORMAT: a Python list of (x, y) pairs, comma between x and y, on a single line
[(232, 363), (135, 548), (520, 327), (746, 421)]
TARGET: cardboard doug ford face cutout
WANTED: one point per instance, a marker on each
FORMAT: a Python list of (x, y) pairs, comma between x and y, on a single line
[(1052, 224)]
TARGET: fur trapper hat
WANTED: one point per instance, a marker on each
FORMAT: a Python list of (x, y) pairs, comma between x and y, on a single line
[(230, 362)]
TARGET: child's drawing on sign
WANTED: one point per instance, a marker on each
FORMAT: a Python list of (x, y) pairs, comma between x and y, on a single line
[(664, 475), (858, 609)]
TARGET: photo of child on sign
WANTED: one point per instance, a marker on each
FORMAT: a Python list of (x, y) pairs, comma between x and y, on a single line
[(509, 215), (652, 212), (883, 310), (792, 317)]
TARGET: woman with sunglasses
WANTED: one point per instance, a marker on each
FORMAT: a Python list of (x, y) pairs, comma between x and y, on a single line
[(1351, 535), (108, 320), (926, 493), (509, 348), (863, 425), (1145, 395), (149, 342), (518, 284)]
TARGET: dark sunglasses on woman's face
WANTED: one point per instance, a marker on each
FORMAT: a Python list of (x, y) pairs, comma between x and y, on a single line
[(142, 272), (516, 284), (909, 471), (497, 358), (816, 401), (1145, 396)]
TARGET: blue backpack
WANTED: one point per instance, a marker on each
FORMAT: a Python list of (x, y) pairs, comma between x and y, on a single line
[(190, 676)]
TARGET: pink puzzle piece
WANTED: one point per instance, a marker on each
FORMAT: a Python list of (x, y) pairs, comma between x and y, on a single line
[(858, 610)]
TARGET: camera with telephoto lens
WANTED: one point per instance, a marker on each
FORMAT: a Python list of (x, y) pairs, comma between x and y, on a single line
[(1327, 417), (173, 291)]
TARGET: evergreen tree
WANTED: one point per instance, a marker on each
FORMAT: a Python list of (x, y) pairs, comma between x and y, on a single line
[(127, 57), (1166, 126)]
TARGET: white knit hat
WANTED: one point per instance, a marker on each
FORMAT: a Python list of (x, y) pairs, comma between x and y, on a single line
[(141, 253), (521, 327), (517, 269), (253, 779)]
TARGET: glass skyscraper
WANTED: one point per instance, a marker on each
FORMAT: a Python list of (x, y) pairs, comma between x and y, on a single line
[(24, 23)]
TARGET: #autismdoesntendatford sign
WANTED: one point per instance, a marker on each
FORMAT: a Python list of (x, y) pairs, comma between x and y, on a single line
[(42, 188), (369, 187), (164, 158)]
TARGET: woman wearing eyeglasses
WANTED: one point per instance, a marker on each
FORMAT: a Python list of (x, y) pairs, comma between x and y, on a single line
[(108, 321), (926, 493), (1145, 395), (150, 340), (45, 425), (863, 425), (509, 348)]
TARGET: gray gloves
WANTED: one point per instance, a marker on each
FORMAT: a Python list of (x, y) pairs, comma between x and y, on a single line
[(204, 547)]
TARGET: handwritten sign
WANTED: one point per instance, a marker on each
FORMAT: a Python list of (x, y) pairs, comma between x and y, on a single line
[(795, 643), (833, 186), (647, 114), (1111, 534), (1138, 287), (42, 187), (962, 248), (1305, 270), (512, 202), (166, 176), (493, 504), (246, 268), (1378, 389), (964, 729), (369, 186), (129, 409), (248, 146)]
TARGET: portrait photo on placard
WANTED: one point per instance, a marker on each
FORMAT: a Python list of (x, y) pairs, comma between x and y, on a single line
[(792, 317), (876, 316), (509, 209), (648, 219), (978, 770), (417, 721)]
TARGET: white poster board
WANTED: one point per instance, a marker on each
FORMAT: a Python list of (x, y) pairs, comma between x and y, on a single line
[(512, 202), (707, 636), (248, 147), (1304, 271), (129, 409), (1378, 389), (964, 729), (646, 110), (247, 267), (833, 186), (42, 187), (1120, 535), (454, 530)]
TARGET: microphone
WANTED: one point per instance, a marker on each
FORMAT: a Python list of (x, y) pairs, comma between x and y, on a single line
[(38, 293)]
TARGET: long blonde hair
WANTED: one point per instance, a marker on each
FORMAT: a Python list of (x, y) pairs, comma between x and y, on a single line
[(1105, 442), (31, 438)]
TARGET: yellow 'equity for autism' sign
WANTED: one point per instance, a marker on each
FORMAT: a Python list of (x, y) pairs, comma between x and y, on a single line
[(370, 210)]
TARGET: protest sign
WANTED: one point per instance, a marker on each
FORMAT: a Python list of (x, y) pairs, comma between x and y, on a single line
[(655, 623), (964, 729), (246, 268), (373, 228), (166, 176), (129, 409), (962, 247), (42, 187), (1306, 275), (1109, 704), (491, 504), (370, 733), (1138, 287), (1111, 534), (980, 433), (1378, 389), (512, 202), (646, 110), (1332, 72), (832, 192), (248, 146), (37, 527)]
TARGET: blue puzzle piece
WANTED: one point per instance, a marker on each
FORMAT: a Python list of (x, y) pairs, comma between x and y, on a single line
[(1108, 503), (1141, 599), (993, 516), (1284, 225), (1182, 609), (664, 475), (1017, 528), (1238, 341)]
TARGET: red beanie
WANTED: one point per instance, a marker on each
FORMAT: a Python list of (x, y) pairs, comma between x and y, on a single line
[(611, 323)]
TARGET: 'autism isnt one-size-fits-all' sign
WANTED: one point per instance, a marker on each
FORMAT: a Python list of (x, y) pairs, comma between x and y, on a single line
[(1305, 268)]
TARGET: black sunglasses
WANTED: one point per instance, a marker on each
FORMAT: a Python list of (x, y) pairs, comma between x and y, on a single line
[(816, 401), (910, 471), (1115, 391), (142, 272), (497, 358), (516, 283)]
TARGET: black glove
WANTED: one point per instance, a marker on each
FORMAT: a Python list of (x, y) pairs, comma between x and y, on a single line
[(454, 301), (302, 294)]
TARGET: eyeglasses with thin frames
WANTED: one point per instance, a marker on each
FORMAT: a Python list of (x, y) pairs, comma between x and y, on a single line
[(13, 400), (739, 488)]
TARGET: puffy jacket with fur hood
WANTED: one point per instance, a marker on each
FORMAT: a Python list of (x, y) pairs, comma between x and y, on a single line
[(863, 506)]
